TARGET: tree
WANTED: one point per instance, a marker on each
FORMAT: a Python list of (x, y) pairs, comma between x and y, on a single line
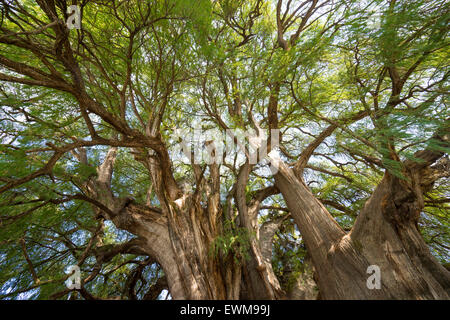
[(92, 174)]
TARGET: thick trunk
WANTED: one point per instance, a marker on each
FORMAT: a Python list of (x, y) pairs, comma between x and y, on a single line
[(191, 240), (181, 245), (318, 229), (385, 234), (181, 234), (258, 276)]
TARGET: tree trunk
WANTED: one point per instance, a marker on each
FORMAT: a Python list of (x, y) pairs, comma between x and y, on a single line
[(180, 243), (258, 276), (181, 233), (385, 234)]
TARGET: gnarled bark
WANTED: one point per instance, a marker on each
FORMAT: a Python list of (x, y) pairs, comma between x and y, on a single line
[(385, 234)]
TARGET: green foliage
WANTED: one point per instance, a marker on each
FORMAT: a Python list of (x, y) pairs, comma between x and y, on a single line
[(234, 242), (289, 258)]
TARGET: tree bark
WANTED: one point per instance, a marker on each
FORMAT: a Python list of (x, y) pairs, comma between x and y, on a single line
[(181, 233), (385, 234)]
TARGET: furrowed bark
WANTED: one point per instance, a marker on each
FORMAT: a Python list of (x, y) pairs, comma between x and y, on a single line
[(258, 270), (318, 228), (385, 234)]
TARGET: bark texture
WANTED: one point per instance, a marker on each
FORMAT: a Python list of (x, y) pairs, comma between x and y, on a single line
[(385, 234)]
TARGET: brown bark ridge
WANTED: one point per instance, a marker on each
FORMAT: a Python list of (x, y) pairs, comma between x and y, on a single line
[(385, 234), (258, 275), (178, 236), (181, 233)]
